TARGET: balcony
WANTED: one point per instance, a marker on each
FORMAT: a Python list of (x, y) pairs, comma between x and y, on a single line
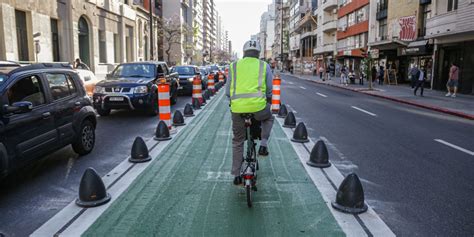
[(329, 5), (327, 48), (329, 26)]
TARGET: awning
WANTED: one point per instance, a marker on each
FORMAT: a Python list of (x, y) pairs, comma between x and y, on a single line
[(417, 43), (388, 44), (416, 48)]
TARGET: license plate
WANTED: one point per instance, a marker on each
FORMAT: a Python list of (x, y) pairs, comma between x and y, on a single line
[(180, 87), (116, 98)]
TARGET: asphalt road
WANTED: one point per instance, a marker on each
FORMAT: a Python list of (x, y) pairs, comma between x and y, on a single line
[(38, 192), (419, 186)]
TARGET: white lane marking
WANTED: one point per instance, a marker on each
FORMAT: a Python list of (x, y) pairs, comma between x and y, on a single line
[(455, 147), (321, 94), (302, 87), (364, 111), (291, 83)]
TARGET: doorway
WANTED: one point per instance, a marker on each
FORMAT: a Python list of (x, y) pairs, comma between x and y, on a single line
[(84, 47)]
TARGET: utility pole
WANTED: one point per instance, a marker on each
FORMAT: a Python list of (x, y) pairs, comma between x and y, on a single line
[(152, 56)]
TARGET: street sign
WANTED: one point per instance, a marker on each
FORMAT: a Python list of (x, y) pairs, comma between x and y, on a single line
[(374, 53)]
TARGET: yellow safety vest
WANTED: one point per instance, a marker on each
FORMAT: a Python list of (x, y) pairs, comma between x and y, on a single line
[(247, 85)]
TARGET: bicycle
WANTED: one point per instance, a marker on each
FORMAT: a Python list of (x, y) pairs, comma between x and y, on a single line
[(248, 170)]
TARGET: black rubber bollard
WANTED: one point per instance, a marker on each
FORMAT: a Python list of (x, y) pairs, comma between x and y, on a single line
[(139, 151), (92, 190), (188, 111), (205, 95), (319, 156), (350, 196), (290, 121), (196, 105), (178, 119), (283, 112), (162, 132), (300, 134)]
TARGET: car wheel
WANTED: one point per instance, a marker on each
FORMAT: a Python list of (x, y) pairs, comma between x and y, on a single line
[(103, 112), (85, 140)]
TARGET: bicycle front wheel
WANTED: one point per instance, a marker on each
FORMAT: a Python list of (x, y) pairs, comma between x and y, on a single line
[(249, 195)]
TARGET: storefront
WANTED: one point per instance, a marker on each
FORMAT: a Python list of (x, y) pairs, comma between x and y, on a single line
[(420, 54)]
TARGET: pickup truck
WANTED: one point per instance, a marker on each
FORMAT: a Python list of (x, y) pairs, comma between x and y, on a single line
[(134, 86)]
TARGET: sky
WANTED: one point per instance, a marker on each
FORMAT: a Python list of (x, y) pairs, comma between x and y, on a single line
[(241, 18)]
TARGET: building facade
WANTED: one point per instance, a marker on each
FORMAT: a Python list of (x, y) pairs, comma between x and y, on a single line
[(280, 49), (325, 49), (100, 32)]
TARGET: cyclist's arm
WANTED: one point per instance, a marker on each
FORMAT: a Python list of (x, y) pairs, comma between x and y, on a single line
[(269, 82)]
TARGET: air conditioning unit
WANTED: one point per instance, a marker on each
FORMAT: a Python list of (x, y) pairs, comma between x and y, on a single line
[(334, 11), (378, 38)]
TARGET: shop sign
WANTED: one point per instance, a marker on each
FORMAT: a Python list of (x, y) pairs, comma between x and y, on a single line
[(374, 53), (347, 52)]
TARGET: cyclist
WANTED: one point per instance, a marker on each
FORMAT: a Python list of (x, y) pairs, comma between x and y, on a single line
[(250, 92)]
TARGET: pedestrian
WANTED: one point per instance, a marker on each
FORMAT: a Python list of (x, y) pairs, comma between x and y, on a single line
[(381, 74), (453, 80), (344, 75), (374, 73), (78, 64), (413, 78), (420, 81), (250, 92), (321, 71), (291, 69), (332, 69)]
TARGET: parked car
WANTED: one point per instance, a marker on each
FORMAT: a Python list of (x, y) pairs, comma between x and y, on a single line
[(187, 74), (134, 86), (88, 79), (44, 107), (204, 74)]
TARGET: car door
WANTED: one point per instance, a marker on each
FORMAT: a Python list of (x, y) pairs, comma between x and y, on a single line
[(29, 134), (64, 101)]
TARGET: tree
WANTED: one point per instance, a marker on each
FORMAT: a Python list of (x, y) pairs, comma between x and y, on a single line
[(172, 31)]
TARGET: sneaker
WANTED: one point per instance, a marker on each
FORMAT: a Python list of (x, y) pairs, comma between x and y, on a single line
[(263, 151), (453, 95), (448, 94), (237, 180)]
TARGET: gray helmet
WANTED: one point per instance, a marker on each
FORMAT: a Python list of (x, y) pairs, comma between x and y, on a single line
[(252, 45)]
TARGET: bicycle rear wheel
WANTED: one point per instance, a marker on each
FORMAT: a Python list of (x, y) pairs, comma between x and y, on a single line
[(249, 195)]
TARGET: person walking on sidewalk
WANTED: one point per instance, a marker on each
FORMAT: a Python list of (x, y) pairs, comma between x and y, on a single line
[(344, 75), (381, 75), (413, 78), (321, 71), (374, 73), (420, 81), (453, 80), (250, 92)]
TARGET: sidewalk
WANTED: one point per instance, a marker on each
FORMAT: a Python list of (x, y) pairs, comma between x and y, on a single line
[(462, 105)]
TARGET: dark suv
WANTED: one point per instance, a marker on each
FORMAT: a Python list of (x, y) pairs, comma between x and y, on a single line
[(134, 86), (187, 74), (44, 107)]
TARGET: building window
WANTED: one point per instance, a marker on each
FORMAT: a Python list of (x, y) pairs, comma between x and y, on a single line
[(452, 5), (102, 47), (116, 48), (55, 39), (22, 36), (426, 13), (383, 29)]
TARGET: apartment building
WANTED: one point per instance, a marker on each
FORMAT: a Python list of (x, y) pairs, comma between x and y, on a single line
[(100, 32), (198, 34), (303, 35), (450, 24), (352, 33), (280, 49), (266, 36), (327, 20)]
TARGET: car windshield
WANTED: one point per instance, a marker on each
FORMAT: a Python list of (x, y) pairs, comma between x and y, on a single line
[(184, 70), (134, 71)]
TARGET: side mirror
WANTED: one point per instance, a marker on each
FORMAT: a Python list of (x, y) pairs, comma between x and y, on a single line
[(19, 107)]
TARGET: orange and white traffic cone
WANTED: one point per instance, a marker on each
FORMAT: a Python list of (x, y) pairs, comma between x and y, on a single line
[(221, 78), (210, 84), (227, 72), (197, 90), (164, 103), (276, 94)]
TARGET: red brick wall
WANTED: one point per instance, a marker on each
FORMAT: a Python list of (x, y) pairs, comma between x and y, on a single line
[(354, 30)]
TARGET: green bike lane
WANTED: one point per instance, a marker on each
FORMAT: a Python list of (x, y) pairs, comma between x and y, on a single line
[(188, 191)]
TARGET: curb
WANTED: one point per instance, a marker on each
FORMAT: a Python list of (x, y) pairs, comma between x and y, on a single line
[(434, 108)]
